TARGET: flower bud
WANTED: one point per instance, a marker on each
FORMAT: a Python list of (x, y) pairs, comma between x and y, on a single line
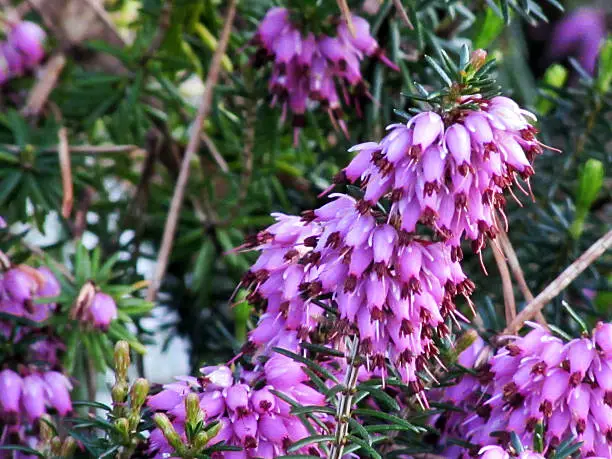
[(139, 392), (11, 386), (122, 360), (68, 447), (604, 69), (46, 430), (123, 426), (603, 337), (192, 409), (83, 301), (119, 393), (478, 58), (200, 441), (102, 311), (590, 182), (55, 444), (164, 424)]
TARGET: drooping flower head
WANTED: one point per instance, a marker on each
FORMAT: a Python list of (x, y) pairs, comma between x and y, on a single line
[(449, 170), (307, 68), (23, 50), (394, 291), (538, 381), (251, 415)]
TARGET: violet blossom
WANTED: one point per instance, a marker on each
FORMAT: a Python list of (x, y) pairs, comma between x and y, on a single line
[(252, 416), (450, 172), (540, 379), (394, 290), (307, 68), (23, 50)]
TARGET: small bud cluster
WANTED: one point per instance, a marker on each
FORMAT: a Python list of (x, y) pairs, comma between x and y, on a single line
[(47, 442), (538, 382), (22, 50), (242, 405), (127, 401), (308, 67), (449, 171)]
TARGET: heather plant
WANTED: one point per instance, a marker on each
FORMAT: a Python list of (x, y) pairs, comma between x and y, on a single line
[(377, 229)]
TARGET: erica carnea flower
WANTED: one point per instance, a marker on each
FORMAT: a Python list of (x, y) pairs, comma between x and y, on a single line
[(449, 171), (25, 395), (539, 379), (23, 49), (395, 291), (307, 68), (21, 285), (579, 34), (243, 402)]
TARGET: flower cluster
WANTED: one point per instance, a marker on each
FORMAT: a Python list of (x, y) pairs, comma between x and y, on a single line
[(31, 381), (308, 67), (396, 291), (449, 172), (94, 307), (31, 392), (244, 403), (21, 285), (22, 50), (537, 380), (496, 452)]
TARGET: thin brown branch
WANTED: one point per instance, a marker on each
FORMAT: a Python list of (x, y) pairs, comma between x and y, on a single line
[(45, 256), (192, 146), (79, 149), (346, 12), (48, 78), (215, 153), (403, 13), (562, 281), (66, 172), (517, 272), (509, 302)]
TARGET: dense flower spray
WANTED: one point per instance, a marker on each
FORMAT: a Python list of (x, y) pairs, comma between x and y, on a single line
[(23, 49), (540, 382), (449, 170), (245, 405), (308, 67), (31, 384), (394, 290)]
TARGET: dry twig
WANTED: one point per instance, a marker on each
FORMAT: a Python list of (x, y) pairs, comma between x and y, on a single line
[(48, 78), (192, 146), (517, 272), (403, 13), (562, 281), (66, 171), (509, 303), (346, 12)]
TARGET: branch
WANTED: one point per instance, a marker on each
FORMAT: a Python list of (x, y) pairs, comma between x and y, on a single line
[(192, 146), (86, 149), (403, 14), (66, 172), (509, 303), (346, 12), (40, 92), (562, 281), (517, 272), (345, 402)]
